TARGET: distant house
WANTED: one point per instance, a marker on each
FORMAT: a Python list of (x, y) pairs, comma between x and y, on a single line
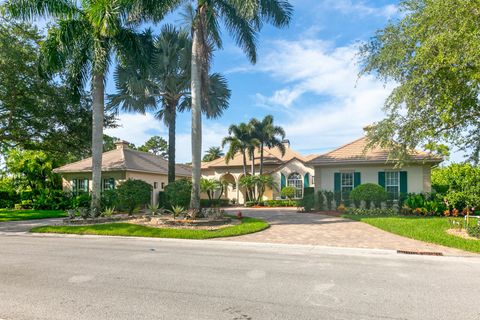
[(290, 169), (119, 165), (348, 166)]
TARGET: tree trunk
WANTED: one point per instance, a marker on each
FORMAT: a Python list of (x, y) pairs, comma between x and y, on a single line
[(196, 84), (253, 163), (172, 117), (244, 163), (261, 159), (98, 91)]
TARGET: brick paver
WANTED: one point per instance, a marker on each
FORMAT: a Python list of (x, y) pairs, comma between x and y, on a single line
[(290, 227)]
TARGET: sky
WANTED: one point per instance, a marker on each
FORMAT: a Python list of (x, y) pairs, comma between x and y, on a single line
[(306, 76)]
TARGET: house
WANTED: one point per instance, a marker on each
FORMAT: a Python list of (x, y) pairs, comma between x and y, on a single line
[(119, 165), (290, 169), (346, 167)]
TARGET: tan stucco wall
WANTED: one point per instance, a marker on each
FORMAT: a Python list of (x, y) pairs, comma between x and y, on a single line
[(418, 176), (68, 177), (237, 173)]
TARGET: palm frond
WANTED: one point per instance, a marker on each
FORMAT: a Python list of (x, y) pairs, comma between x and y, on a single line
[(29, 9)]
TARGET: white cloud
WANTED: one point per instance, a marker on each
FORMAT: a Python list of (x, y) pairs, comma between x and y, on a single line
[(361, 8), (341, 105), (283, 97)]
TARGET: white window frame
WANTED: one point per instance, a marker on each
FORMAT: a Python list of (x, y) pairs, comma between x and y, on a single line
[(389, 183), (75, 183), (107, 181), (297, 183), (343, 185)]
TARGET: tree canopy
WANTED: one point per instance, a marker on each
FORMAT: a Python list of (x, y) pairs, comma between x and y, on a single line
[(156, 145), (432, 55)]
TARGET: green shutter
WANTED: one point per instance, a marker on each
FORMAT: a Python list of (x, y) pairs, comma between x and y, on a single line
[(283, 181), (403, 182), (381, 178), (357, 179), (337, 182), (306, 180), (86, 186)]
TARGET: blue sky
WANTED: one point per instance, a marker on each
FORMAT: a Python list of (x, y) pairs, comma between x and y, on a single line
[(306, 77)]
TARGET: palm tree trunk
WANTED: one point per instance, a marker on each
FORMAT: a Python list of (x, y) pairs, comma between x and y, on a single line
[(253, 164), (196, 84), (261, 159), (172, 117), (244, 163), (98, 91)]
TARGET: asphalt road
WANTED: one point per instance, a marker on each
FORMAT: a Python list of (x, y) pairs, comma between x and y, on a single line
[(116, 278)]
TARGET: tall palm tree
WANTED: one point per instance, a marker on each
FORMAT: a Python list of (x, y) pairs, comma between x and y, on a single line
[(240, 141), (212, 154), (162, 84), (243, 20), (85, 38), (268, 135)]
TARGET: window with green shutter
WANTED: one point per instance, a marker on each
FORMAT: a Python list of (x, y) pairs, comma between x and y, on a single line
[(403, 182), (357, 179), (306, 180)]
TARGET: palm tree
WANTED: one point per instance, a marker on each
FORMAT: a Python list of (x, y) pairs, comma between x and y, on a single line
[(240, 141), (162, 84), (212, 154), (268, 135), (86, 37), (243, 20)]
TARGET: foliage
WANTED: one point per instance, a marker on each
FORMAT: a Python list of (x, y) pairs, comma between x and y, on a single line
[(210, 187), (213, 153), (268, 135), (177, 211), (308, 200), (371, 212), (178, 193), (154, 210), (248, 225), (329, 196), (369, 192), (256, 186), (214, 202), (109, 199), (132, 194), (281, 203), (320, 200), (459, 184), (37, 113), (429, 229), (288, 192), (474, 231), (240, 140), (248, 182), (108, 212), (430, 53), (157, 146)]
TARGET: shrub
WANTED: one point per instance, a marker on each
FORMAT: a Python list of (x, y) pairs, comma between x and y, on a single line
[(329, 196), (371, 212), (308, 201), (474, 231), (214, 202), (178, 193), (369, 192), (288, 192), (337, 195), (132, 194), (281, 203), (320, 200), (81, 200), (250, 203), (109, 198)]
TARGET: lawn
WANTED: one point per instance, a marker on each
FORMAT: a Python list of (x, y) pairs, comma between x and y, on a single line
[(428, 229), (248, 225), (17, 215)]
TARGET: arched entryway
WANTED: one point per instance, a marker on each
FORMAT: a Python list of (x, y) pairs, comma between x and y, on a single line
[(229, 186)]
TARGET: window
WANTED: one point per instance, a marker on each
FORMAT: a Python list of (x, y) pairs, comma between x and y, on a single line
[(79, 185), (346, 184), (392, 184), (163, 185), (295, 180), (155, 185), (108, 184)]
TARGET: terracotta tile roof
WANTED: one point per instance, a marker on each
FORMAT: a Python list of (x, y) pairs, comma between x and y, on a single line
[(271, 157), (127, 159), (355, 152)]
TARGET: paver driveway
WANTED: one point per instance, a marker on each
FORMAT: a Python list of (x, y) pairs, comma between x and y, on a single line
[(288, 226)]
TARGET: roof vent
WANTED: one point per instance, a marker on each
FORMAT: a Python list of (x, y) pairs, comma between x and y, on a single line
[(286, 143), (121, 144)]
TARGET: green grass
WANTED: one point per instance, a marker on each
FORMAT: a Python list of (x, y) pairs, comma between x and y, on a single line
[(428, 229), (17, 215), (248, 225)]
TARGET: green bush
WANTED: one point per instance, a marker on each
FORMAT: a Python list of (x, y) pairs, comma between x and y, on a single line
[(214, 202), (132, 194), (329, 195), (109, 199), (81, 200), (281, 203), (288, 192), (372, 212), (162, 200), (8, 198), (369, 192), (474, 231), (308, 201), (320, 200), (178, 193), (249, 204)]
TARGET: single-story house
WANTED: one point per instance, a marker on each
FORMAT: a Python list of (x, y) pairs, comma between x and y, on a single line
[(290, 169), (119, 165), (350, 165)]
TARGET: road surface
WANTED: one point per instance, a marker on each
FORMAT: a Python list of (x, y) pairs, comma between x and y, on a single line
[(73, 277)]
